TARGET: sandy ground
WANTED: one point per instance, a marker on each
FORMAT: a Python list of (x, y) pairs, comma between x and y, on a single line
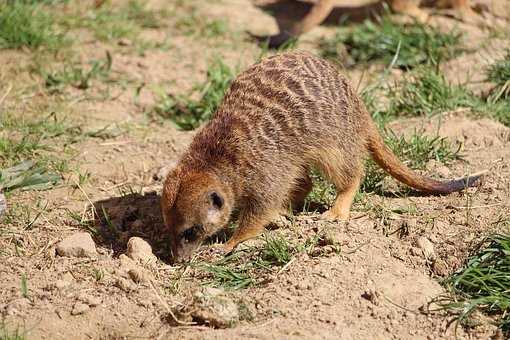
[(378, 286)]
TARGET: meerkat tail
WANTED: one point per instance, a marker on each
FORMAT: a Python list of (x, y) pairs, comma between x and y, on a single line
[(387, 160)]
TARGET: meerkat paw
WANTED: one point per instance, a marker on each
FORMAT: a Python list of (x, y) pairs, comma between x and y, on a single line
[(469, 16), (331, 215), (418, 14)]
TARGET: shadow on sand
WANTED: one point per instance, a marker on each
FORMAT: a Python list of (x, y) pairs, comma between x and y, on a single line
[(289, 12), (119, 218)]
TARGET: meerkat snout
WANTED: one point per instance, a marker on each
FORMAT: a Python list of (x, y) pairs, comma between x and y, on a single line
[(195, 206)]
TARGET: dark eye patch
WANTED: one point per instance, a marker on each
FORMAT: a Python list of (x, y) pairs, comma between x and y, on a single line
[(191, 234)]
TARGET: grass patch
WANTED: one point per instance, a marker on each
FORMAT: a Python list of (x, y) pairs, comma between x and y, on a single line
[(484, 282), (188, 113), (229, 273), (194, 24), (323, 192), (111, 22), (413, 44), (24, 138), (277, 250), (29, 25), (28, 176), (6, 334), (253, 266), (77, 76), (426, 92), (499, 73)]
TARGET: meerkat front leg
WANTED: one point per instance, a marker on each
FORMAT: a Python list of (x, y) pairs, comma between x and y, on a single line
[(465, 11), (409, 7), (342, 206), (315, 17), (251, 225)]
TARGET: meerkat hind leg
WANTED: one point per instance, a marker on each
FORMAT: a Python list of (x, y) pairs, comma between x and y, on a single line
[(300, 192), (342, 206)]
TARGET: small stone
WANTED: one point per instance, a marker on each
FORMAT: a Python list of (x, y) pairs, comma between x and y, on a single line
[(212, 307), (90, 300), (439, 268), (62, 284), (416, 251), (136, 225), (125, 285), (427, 247), (301, 285), (124, 42), (17, 306), (77, 245), (3, 204), (372, 296), (139, 250), (126, 263), (79, 308), (438, 168), (332, 237), (410, 223), (139, 275)]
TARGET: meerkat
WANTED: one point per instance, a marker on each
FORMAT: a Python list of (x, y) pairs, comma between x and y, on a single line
[(322, 8), (279, 118)]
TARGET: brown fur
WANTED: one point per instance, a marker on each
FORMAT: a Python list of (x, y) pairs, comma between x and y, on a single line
[(280, 117), (322, 8)]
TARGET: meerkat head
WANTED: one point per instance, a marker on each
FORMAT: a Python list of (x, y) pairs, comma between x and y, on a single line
[(195, 206)]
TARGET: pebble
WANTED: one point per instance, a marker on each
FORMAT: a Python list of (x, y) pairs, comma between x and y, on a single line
[(77, 245), (125, 285), (439, 268), (79, 308), (373, 296), (212, 307), (139, 250), (90, 300), (126, 263), (139, 275), (427, 247), (17, 306), (3, 204), (61, 284), (332, 237)]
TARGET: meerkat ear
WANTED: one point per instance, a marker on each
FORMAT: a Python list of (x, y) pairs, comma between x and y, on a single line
[(216, 200), (170, 189)]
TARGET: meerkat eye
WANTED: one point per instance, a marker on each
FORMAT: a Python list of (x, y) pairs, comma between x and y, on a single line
[(191, 234), (216, 200)]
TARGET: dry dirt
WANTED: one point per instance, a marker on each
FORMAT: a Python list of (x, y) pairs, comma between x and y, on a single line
[(377, 286)]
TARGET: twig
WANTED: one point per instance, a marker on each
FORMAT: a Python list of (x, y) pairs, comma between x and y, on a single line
[(168, 309), (357, 248), (399, 306), (285, 267), (479, 206), (86, 196), (5, 94)]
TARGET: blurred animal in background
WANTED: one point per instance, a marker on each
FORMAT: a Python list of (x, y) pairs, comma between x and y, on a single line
[(321, 9)]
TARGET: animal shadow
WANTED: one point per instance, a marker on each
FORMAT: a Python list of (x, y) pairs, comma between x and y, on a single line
[(120, 218), (289, 12)]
